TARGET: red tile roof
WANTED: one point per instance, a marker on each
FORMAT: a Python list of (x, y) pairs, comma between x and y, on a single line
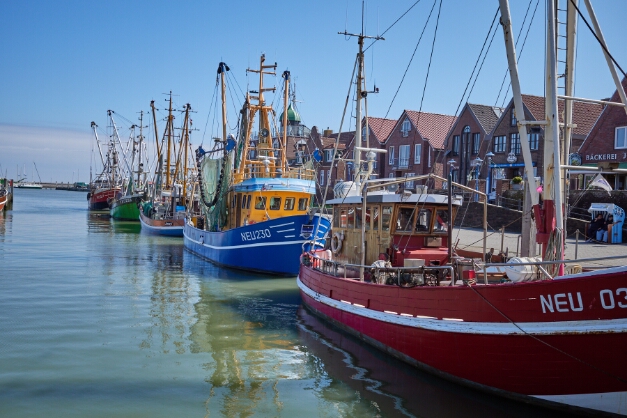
[(381, 128), (585, 115), (432, 126)]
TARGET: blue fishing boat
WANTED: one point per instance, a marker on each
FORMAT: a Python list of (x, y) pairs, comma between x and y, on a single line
[(257, 211)]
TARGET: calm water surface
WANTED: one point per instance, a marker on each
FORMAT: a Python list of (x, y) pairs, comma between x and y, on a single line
[(99, 320)]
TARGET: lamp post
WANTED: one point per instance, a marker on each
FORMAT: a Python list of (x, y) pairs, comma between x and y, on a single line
[(476, 163), (488, 186)]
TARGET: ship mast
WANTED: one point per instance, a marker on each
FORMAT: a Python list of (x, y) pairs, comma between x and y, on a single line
[(169, 132)]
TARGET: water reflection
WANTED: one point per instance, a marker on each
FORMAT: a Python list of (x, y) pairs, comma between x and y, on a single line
[(6, 219), (393, 387)]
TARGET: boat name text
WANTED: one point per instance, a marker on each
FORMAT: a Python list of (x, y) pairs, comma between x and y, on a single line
[(565, 302), (255, 235)]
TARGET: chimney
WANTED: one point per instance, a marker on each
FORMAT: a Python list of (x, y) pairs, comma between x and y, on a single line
[(327, 132)]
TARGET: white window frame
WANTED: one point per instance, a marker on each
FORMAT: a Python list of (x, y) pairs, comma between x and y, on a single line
[(391, 155), (417, 153), (364, 134), (429, 158), (616, 130), (403, 156), (409, 184), (406, 127), (328, 155), (476, 143), (329, 176), (322, 177)]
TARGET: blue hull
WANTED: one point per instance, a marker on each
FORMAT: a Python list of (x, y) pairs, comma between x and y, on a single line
[(271, 247)]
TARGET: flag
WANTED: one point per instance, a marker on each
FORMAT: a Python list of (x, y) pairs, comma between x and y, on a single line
[(599, 181)]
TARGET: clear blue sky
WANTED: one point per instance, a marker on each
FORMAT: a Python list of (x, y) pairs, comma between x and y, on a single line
[(64, 63)]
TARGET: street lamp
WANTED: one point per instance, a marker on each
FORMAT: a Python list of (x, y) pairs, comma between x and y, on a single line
[(488, 186), (476, 163)]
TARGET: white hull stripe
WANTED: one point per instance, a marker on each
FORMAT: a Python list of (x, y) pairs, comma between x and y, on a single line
[(614, 402), (459, 326), (235, 247), (278, 226)]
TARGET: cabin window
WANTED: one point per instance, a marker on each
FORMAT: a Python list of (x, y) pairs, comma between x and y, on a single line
[(336, 217), (275, 203), (386, 215), (343, 218), (244, 201), (441, 222), (260, 203), (358, 218), (233, 202), (248, 202), (423, 223), (368, 218), (302, 204), (289, 203), (374, 213), (404, 221), (351, 218)]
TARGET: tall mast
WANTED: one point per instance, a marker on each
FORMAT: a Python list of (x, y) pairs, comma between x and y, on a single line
[(286, 88), (185, 144), (140, 165), (169, 135), (154, 121), (361, 93), (222, 69)]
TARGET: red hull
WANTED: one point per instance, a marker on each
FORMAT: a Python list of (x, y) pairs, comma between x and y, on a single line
[(101, 198), (569, 336)]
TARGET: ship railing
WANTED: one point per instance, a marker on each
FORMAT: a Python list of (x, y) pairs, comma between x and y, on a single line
[(256, 169), (401, 276)]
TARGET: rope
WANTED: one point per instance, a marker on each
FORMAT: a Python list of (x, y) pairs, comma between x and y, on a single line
[(546, 343)]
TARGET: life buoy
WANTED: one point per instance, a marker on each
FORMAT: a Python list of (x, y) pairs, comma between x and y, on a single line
[(336, 243)]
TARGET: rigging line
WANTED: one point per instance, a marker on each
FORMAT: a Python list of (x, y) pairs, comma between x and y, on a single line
[(522, 48), (395, 22), (215, 90), (478, 58), (410, 60), (597, 38), (517, 38)]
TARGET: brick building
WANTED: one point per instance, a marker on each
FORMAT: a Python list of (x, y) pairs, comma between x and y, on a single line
[(607, 145), (468, 141), (415, 145), (507, 161)]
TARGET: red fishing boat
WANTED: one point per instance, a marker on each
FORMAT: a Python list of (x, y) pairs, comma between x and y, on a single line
[(104, 188), (545, 332)]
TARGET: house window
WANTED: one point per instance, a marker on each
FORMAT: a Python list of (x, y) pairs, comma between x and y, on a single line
[(391, 155), (417, 153), (513, 117), (299, 157), (391, 175), (514, 145), (499, 143), (405, 127), (364, 133), (476, 142), (322, 177), (428, 157), (534, 140), (456, 145), (328, 155), (620, 140), (403, 156), (329, 176), (455, 175), (409, 184)]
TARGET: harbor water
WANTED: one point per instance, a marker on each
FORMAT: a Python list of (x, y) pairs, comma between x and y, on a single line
[(100, 320)]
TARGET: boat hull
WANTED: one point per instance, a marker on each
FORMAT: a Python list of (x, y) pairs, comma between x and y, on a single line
[(101, 199), (3, 200), (269, 247), (166, 227), (126, 208), (559, 341)]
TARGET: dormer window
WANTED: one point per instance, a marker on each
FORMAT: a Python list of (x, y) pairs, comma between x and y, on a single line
[(405, 127)]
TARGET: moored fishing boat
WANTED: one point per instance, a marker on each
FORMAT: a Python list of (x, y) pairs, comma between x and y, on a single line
[(256, 209), (172, 195), (103, 188), (548, 334), (125, 206)]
